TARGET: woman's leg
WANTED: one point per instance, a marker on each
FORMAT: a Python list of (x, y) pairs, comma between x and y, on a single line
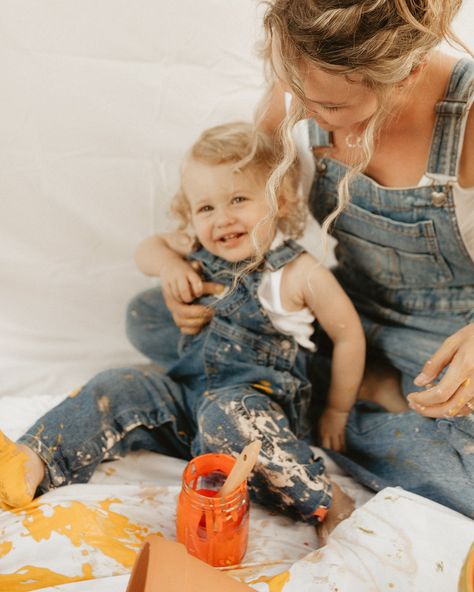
[(433, 458), (116, 412), (151, 329), (287, 476)]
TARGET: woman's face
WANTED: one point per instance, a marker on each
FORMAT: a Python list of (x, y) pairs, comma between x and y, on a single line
[(332, 100)]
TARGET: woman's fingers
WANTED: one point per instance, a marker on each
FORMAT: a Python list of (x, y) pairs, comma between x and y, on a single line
[(455, 406), (441, 358), (183, 289), (441, 392), (196, 284)]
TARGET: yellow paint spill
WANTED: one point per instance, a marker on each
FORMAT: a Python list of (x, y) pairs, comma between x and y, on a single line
[(101, 528), (5, 548), (13, 483), (275, 583), (29, 577)]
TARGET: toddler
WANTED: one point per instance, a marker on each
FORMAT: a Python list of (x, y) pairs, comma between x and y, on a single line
[(243, 376)]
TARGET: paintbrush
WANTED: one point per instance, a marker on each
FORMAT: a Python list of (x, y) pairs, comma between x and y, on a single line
[(242, 468)]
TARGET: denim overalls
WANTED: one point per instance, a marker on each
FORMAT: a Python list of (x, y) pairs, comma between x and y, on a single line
[(239, 379), (403, 262)]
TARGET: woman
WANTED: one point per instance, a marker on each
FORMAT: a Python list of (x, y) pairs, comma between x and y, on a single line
[(393, 138)]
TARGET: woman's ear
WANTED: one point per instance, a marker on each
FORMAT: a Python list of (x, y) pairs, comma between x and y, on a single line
[(412, 77)]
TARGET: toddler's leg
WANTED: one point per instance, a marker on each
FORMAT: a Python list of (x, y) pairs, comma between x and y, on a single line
[(116, 412), (287, 476)]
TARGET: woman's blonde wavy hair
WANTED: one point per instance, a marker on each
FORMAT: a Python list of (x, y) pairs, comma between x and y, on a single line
[(253, 151), (380, 41)]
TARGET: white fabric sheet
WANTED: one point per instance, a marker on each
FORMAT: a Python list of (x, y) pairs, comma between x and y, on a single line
[(100, 100)]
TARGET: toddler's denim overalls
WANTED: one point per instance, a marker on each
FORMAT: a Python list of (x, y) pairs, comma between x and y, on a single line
[(403, 262), (239, 379)]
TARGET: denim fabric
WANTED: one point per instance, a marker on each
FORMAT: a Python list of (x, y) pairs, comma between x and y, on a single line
[(402, 260), (237, 380)]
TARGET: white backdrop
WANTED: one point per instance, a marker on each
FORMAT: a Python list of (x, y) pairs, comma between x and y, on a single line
[(99, 101)]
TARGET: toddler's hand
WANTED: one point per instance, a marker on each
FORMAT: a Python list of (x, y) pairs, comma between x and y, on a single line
[(332, 428), (180, 280)]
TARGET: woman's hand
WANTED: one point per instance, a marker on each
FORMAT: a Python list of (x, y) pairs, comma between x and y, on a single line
[(453, 395), (332, 429)]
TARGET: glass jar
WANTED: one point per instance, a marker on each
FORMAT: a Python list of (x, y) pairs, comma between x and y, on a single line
[(213, 528), (466, 579)]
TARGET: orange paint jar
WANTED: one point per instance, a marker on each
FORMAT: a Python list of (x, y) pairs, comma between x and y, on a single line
[(466, 579), (212, 528)]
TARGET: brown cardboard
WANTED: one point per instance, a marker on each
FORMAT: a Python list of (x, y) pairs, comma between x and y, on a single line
[(166, 566)]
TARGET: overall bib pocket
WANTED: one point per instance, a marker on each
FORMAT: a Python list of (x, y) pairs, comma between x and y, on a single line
[(392, 253)]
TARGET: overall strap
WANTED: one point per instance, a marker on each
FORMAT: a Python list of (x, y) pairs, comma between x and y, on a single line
[(451, 118), (283, 254), (273, 260)]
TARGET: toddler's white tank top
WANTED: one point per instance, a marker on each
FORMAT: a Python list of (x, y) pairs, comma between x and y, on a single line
[(297, 323)]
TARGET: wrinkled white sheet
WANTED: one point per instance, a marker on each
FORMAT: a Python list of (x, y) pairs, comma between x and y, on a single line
[(94, 530), (100, 100), (394, 541)]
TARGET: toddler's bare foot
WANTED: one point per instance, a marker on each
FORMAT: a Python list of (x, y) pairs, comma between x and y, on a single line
[(341, 508), (381, 384), (21, 471)]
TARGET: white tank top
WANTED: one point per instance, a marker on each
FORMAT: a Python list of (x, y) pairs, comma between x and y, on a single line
[(299, 323)]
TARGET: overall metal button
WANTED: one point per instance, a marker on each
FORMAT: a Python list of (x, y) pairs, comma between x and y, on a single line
[(439, 198), (321, 167)]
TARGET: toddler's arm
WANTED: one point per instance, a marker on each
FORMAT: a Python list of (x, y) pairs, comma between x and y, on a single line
[(318, 289)]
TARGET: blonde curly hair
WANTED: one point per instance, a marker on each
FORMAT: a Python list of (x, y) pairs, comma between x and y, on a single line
[(251, 150), (380, 41)]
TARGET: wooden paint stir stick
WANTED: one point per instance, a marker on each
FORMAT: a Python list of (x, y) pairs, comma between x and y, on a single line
[(242, 468)]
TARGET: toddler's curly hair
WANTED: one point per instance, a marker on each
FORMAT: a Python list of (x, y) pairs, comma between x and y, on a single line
[(251, 150)]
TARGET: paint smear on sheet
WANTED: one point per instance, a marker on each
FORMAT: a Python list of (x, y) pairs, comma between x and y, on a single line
[(5, 548), (100, 528), (275, 583), (29, 577)]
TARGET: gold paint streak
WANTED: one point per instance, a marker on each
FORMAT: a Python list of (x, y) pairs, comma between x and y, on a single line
[(263, 387), (75, 392), (30, 577), (275, 583), (5, 548), (101, 528)]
